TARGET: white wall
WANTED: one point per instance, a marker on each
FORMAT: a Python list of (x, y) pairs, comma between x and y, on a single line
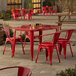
[(3, 5)]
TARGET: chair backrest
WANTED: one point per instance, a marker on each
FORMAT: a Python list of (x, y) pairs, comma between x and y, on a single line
[(15, 11), (69, 33), (44, 8), (12, 11), (22, 71), (6, 30), (56, 37), (31, 12), (50, 9)]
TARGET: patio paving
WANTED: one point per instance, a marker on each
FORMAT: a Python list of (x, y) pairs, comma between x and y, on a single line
[(42, 67)]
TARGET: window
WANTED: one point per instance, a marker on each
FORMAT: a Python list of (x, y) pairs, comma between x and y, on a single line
[(36, 5), (14, 4)]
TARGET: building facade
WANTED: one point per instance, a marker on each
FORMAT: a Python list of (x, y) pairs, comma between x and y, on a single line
[(3, 5), (64, 5), (18, 4), (11, 4)]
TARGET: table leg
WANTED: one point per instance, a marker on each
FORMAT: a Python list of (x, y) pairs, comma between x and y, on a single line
[(31, 43), (29, 16), (21, 14), (40, 39)]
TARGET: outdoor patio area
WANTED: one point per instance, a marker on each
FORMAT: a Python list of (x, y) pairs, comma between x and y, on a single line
[(42, 67)]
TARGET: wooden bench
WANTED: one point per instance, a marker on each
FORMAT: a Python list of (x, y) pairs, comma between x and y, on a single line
[(63, 21), (66, 22)]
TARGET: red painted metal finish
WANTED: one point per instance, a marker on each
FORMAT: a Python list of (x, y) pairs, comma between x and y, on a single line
[(12, 40), (15, 14), (22, 71), (23, 13), (47, 9), (62, 42), (49, 46), (31, 30)]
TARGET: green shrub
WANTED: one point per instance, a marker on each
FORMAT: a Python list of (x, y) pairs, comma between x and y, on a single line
[(68, 72), (46, 3), (6, 15), (28, 4), (2, 15)]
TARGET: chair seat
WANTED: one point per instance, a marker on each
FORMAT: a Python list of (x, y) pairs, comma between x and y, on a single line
[(61, 40), (47, 44)]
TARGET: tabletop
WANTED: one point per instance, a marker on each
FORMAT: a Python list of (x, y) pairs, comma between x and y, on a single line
[(29, 28)]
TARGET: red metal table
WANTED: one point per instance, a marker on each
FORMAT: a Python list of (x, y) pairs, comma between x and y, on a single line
[(31, 30), (24, 10)]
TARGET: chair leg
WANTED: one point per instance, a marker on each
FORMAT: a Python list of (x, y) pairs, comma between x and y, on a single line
[(13, 49), (14, 17), (57, 54), (22, 46), (24, 17), (64, 49), (50, 13), (24, 42), (50, 51), (37, 54), (43, 13), (46, 54), (4, 47), (71, 49), (59, 48)]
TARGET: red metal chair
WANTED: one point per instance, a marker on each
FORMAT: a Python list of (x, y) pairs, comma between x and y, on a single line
[(22, 71), (49, 47), (28, 33), (11, 40), (15, 14), (29, 14), (44, 10), (54, 10), (62, 42)]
